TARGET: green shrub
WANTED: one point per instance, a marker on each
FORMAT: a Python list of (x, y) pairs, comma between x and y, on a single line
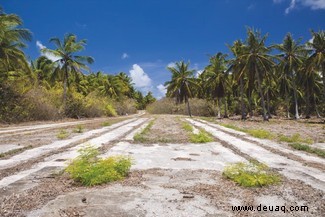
[(110, 111), (62, 134), (89, 170), (251, 174), (201, 137)]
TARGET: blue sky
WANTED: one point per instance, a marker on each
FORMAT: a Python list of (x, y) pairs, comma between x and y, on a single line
[(141, 37)]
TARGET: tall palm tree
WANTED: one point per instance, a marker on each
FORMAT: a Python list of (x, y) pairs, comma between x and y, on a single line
[(257, 61), (290, 61), (182, 83), (12, 58), (68, 62), (316, 61), (216, 79), (235, 66)]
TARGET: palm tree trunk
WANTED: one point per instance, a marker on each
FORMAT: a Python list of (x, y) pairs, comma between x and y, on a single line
[(323, 83), (226, 107), (268, 104), (219, 108), (295, 98), (243, 115), (188, 106), (316, 109), (65, 81), (287, 101), (259, 82), (307, 103)]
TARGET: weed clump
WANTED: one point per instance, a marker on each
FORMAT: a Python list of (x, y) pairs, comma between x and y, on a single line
[(201, 137), (295, 138), (89, 170), (308, 148), (63, 134), (140, 137), (251, 174), (79, 129)]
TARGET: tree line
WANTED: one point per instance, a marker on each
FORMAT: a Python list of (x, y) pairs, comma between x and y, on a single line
[(286, 77), (68, 75)]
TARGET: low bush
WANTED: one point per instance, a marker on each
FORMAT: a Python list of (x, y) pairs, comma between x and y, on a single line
[(251, 174), (89, 170)]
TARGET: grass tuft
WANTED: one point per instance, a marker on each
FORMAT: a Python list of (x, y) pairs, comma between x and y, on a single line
[(308, 148), (63, 134), (140, 137), (79, 129), (106, 124), (259, 133), (295, 138), (251, 174), (187, 127), (201, 137), (89, 170)]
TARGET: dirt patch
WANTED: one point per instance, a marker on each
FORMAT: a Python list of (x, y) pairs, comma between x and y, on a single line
[(166, 129)]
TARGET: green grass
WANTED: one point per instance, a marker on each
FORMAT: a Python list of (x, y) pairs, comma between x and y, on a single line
[(140, 137), (201, 137), (106, 124), (296, 138), (187, 127), (15, 151), (89, 170), (308, 148), (251, 174), (258, 133), (63, 134), (79, 129)]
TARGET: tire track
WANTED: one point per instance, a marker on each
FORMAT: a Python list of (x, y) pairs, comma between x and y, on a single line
[(289, 168)]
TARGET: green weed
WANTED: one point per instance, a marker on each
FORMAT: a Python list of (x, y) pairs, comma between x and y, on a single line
[(89, 170), (259, 133), (63, 134), (201, 137), (140, 137), (309, 149), (251, 174), (79, 129), (187, 127), (295, 138), (106, 124)]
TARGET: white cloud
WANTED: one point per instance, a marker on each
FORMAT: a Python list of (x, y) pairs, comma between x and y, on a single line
[(198, 73), (162, 89), (171, 64), (46, 54), (140, 79), (125, 56), (313, 4)]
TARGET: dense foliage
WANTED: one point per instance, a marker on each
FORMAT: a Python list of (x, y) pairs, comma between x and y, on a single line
[(282, 79), (43, 89)]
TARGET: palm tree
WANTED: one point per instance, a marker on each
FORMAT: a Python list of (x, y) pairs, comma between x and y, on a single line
[(182, 83), (290, 61), (42, 68), (256, 61), (235, 66), (316, 61), (12, 58), (215, 75), (68, 62)]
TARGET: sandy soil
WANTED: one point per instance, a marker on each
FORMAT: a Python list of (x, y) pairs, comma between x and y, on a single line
[(170, 177)]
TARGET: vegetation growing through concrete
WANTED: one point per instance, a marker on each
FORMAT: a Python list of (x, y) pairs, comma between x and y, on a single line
[(201, 137), (308, 148), (251, 174), (89, 170), (140, 137), (63, 134), (79, 129)]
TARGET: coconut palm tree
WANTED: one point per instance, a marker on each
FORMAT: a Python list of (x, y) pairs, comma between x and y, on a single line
[(182, 83), (316, 61), (215, 75), (68, 63), (290, 61), (12, 58), (256, 61), (235, 66)]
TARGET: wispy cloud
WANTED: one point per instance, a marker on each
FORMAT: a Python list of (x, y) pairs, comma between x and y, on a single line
[(125, 56), (171, 64), (140, 79), (46, 54), (312, 4), (162, 91)]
